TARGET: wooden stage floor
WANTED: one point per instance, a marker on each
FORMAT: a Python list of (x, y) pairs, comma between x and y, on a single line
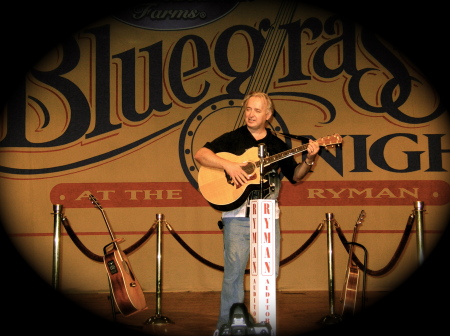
[(30, 306), (195, 314)]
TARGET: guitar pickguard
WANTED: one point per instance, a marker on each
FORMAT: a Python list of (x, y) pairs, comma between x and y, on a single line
[(249, 169)]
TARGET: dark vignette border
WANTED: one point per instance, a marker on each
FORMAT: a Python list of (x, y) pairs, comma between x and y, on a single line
[(30, 29)]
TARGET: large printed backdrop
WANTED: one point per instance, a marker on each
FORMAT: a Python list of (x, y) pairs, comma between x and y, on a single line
[(39, 27)]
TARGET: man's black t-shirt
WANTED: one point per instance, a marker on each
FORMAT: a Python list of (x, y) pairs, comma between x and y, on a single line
[(239, 140)]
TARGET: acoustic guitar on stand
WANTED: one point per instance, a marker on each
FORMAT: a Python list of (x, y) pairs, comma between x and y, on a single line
[(126, 289), (217, 187), (350, 290)]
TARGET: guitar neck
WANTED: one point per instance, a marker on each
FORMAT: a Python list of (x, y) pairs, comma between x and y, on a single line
[(107, 225), (282, 155), (352, 247), (355, 231)]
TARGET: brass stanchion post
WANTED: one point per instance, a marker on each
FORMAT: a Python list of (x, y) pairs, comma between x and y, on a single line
[(418, 209), (158, 318), (57, 213), (332, 318)]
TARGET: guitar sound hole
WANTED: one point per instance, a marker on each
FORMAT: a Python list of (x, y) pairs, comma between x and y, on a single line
[(249, 168)]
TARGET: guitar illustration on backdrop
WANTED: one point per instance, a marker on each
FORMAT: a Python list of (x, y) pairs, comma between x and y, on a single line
[(350, 290), (126, 290), (218, 189), (223, 113)]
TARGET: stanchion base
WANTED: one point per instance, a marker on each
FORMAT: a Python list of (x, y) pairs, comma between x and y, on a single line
[(158, 319), (330, 319)]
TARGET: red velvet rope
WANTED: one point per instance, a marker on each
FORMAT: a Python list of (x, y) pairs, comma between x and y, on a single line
[(91, 255), (283, 262), (395, 257), (247, 271)]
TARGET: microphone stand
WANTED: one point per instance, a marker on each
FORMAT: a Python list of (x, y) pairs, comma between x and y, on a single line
[(261, 155)]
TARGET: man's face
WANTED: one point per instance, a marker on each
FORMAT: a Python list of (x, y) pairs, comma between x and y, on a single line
[(256, 113)]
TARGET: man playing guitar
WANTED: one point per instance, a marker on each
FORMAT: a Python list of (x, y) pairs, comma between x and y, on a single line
[(258, 109)]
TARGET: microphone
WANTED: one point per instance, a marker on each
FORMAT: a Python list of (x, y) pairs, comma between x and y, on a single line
[(262, 150)]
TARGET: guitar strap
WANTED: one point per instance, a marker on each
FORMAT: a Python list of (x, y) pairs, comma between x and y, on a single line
[(297, 137)]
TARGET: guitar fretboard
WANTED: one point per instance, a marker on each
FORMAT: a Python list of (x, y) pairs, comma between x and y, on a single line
[(99, 207), (282, 155)]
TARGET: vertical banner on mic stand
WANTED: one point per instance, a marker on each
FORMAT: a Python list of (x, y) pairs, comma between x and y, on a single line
[(262, 262)]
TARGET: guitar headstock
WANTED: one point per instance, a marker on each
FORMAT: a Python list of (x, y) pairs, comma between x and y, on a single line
[(330, 140), (95, 202), (361, 217)]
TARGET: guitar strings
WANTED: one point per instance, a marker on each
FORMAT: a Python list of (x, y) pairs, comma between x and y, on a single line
[(275, 41), (260, 80)]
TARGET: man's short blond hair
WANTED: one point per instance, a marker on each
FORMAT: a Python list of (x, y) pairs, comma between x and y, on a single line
[(265, 96)]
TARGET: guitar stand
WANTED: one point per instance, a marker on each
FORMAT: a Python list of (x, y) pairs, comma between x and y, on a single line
[(114, 312), (363, 295), (113, 304)]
